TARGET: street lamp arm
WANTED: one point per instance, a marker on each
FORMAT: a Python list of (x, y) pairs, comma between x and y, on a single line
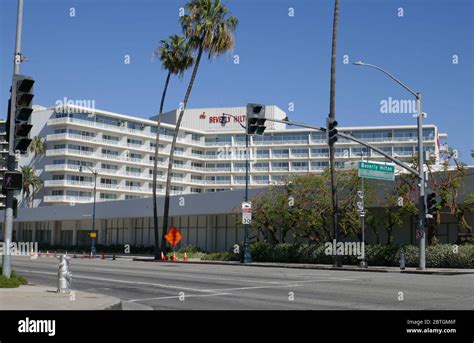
[(415, 94), (233, 116)]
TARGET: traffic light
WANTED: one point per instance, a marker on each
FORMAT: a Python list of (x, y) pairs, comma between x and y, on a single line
[(255, 119), (431, 203), (20, 106), (331, 131)]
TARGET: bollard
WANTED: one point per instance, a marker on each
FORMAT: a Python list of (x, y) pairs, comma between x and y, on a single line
[(47, 253), (113, 257), (402, 259), (64, 275)]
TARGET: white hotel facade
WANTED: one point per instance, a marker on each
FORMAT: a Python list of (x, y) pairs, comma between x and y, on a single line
[(209, 156)]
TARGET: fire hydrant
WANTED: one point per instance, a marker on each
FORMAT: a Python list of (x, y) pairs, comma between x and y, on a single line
[(64, 275), (402, 259)]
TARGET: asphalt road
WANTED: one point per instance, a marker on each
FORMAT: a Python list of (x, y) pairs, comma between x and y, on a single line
[(163, 286)]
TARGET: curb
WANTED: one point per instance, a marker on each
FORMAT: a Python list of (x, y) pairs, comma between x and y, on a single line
[(318, 267)]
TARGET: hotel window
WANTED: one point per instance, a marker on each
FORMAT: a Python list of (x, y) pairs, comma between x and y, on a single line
[(403, 151), (406, 135), (342, 152), (263, 153), (109, 166), (196, 190), (240, 139), (318, 137), (279, 177), (58, 177), (178, 176), (129, 197), (59, 146), (132, 183), (135, 156), (300, 152), (195, 137), (79, 178), (356, 152), (239, 166), (280, 153), (319, 165), (106, 181), (80, 163), (134, 142), (299, 165), (81, 133), (197, 152), (110, 152), (260, 166), (134, 170), (262, 179), (158, 172), (320, 152), (58, 131), (110, 138), (280, 166), (239, 179), (177, 189), (178, 163), (59, 161), (108, 196), (196, 177), (429, 134), (373, 136), (387, 150)]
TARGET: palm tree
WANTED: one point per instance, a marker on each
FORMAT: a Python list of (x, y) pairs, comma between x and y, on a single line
[(37, 146), (30, 181), (332, 115), (209, 28), (175, 56)]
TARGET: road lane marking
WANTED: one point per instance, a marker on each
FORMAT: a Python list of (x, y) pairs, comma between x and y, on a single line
[(178, 296), (123, 281)]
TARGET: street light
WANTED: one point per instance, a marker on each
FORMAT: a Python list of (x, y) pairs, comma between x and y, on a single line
[(93, 233), (247, 258), (421, 174)]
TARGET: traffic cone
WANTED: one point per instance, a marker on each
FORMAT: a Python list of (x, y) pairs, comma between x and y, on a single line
[(185, 257), (47, 253), (32, 253), (174, 256), (91, 256), (83, 255), (39, 253)]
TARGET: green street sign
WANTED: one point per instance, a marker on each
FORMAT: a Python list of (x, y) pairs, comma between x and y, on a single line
[(377, 170)]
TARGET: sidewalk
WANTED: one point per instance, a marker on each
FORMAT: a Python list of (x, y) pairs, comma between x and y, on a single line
[(379, 269), (36, 297)]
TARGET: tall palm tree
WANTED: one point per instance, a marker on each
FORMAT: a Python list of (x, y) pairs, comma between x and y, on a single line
[(175, 56), (332, 115), (209, 28), (37, 146), (31, 181)]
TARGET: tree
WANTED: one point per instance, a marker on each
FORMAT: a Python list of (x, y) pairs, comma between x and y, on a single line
[(175, 56), (37, 146), (303, 208), (209, 28), (447, 184), (31, 184)]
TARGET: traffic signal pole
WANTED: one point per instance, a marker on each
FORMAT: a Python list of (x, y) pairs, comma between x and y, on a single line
[(8, 222)]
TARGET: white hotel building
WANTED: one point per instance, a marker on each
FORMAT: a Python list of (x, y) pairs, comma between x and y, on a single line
[(209, 156)]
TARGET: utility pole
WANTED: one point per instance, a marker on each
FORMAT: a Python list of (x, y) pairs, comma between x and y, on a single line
[(332, 117), (11, 163)]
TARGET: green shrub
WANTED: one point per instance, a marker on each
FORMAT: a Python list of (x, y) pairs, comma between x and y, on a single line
[(437, 256), (221, 256), (13, 282)]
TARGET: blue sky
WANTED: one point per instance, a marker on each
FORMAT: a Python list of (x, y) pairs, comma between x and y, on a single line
[(283, 59)]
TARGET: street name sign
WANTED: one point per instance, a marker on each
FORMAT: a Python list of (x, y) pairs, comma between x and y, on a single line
[(376, 170)]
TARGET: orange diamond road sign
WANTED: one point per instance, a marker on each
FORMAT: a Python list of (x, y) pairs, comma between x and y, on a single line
[(173, 236)]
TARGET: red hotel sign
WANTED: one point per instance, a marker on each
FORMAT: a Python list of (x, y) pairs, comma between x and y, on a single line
[(218, 119)]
